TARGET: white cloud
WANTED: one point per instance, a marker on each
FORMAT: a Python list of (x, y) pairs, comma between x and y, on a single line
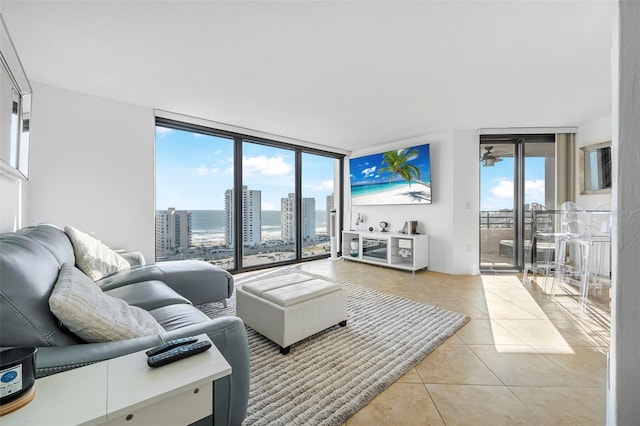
[(503, 190), (266, 166), (268, 206), (502, 194), (534, 191), (369, 172)]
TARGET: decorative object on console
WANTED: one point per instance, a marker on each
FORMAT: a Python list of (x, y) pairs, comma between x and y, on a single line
[(359, 221), (410, 227), (400, 176), (404, 252), (383, 226), (355, 247)]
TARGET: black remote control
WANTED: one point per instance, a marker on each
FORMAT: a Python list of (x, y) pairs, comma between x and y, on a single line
[(178, 353), (170, 345)]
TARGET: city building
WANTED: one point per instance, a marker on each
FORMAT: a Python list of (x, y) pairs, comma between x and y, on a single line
[(251, 217), (288, 218), (173, 231)]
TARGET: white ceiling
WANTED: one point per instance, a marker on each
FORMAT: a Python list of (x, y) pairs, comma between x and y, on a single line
[(345, 74)]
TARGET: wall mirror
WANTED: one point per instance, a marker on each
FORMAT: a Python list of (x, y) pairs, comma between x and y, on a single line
[(595, 168), (15, 109)]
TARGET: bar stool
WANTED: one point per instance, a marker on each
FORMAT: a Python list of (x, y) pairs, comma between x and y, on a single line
[(596, 244), (586, 231), (573, 229), (542, 236)]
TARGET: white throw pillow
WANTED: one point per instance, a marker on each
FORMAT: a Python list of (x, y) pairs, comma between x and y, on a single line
[(93, 315), (93, 257)]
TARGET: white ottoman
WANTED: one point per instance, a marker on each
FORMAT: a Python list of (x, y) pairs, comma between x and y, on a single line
[(292, 307)]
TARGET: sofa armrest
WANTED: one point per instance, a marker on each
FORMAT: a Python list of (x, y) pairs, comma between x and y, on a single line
[(56, 359), (135, 258), (231, 392)]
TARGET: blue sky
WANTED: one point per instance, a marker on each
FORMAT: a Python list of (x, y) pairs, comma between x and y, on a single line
[(496, 183), (193, 171)]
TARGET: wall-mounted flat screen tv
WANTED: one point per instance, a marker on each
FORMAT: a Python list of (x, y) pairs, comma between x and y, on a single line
[(399, 176)]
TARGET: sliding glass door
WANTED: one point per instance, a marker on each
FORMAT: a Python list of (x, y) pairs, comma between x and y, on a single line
[(516, 173), (318, 198), (268, 204)]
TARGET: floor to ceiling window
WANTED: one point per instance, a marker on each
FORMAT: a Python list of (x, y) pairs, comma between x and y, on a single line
[(194, 171), (318, 198), (268, 204), (241, 202), (516, 171)]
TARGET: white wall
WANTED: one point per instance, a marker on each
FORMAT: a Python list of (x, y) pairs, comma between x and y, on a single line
[(92, 167), (465, 166), (452, 219), (624, 374), (596, 131)]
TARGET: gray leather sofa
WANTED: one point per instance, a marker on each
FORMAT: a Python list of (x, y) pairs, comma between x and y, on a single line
[(29, 263)]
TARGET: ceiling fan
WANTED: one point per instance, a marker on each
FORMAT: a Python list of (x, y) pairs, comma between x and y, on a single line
[(489, 158)]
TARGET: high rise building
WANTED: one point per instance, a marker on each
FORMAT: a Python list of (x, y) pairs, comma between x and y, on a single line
[(308, 219), (173, 231), (288, 218), (251, 217)]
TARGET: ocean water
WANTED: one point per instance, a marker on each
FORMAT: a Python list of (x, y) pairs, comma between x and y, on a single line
[(372, 188), (207, 226)]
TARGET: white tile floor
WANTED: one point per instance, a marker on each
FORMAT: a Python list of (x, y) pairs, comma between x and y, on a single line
[(525, 357)]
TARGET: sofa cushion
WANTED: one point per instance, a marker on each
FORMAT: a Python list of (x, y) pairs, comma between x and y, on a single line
[(148, 295), (93, 315), (198, 281), (177, 316), (93, 257)]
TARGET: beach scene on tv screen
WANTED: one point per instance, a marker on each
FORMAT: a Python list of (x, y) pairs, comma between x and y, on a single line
[(399, 176)]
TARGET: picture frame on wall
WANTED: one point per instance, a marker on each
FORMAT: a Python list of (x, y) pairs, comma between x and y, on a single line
[(399, 176)]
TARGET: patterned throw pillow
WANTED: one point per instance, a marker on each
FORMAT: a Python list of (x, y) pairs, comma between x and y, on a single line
[(93, 257), (93, 315)]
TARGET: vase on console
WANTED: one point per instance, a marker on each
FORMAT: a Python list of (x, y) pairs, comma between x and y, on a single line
[(355, 246)]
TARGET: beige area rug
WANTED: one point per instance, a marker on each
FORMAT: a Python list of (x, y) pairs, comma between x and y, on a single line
[(329, 376)]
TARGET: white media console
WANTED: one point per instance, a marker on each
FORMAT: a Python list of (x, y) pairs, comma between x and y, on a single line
[(395, 250)]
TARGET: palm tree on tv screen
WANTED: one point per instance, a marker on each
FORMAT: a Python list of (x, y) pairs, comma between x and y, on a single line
[(398, 163)]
